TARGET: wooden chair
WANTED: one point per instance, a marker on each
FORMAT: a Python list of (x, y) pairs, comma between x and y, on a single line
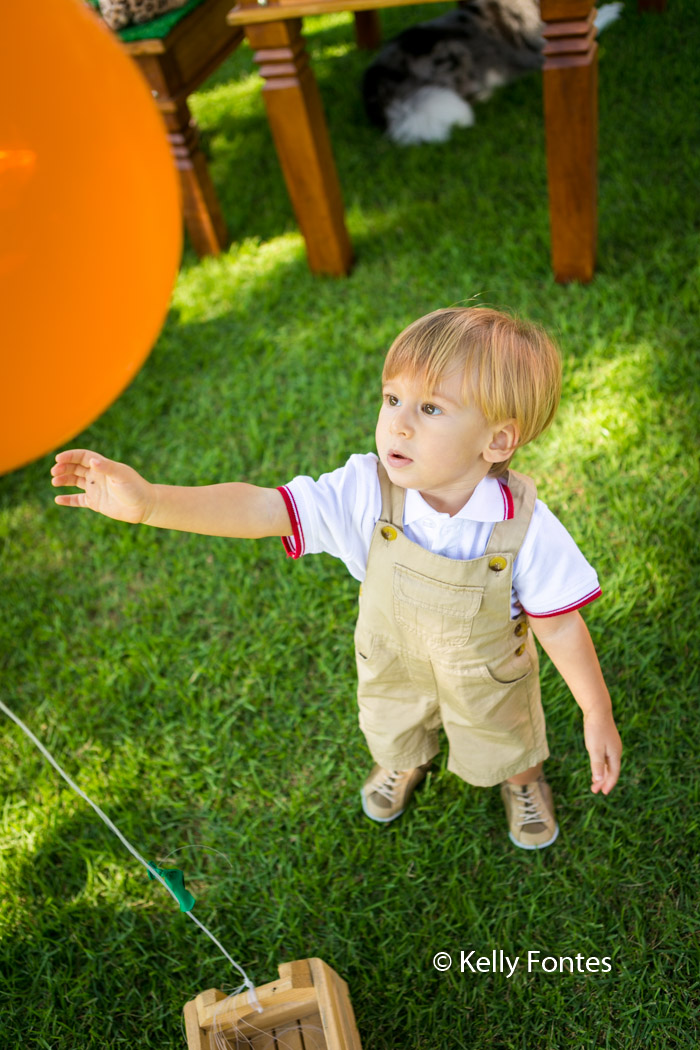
[(176, 53)]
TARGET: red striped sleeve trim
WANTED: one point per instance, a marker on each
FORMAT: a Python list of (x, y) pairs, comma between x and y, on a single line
[(568, 608), (508, 508), (294, 544)]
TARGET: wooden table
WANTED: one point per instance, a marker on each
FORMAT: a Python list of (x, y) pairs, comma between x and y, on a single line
[(299, 129)]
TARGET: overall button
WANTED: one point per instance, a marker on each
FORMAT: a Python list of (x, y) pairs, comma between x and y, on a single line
[(521, 628), (520, 650), (498, 563), (389, 533)]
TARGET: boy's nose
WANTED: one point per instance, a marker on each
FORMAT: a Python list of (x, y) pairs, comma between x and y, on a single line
[(399, 423)]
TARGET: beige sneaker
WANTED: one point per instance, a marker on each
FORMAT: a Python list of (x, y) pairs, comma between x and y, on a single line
[(386, 792), (530, 813)]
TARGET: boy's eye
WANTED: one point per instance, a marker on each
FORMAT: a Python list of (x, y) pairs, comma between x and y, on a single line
[(432, 410), (391, 400)]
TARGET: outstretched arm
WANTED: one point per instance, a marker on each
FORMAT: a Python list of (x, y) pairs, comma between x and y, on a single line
[(567, 642), (118, 491)]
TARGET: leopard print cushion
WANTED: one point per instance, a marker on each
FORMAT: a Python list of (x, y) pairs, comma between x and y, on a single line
[(120, 13)]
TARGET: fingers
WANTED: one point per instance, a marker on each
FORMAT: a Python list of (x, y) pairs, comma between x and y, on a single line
[(605, 751), (76, 499), (68, 479), (597, 776), (79, 457), (613, 774), (605, 772), (73, 466)]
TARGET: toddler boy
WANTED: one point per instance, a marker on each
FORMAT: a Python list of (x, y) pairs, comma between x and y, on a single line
[(456, 556)]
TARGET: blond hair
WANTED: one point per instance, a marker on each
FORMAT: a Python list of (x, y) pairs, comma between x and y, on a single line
[(511, 368)]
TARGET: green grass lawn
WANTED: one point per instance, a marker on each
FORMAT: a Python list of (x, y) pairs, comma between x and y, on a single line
[(202, 690)]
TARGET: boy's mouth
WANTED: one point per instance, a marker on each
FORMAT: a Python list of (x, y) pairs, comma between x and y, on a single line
[(397, 459)]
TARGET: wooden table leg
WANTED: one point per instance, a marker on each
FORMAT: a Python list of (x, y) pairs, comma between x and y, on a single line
[(571, 121), (299, 130)]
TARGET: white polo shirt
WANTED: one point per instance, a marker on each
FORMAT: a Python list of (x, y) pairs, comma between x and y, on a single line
[(337, 513)]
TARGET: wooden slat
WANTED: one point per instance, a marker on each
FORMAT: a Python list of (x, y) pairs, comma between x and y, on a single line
[(298, 973), (350, 1032), (196, 1038), (243, 16), (312, 1034), (288, 1037), (289, 1005), (560, 10), (210, 997), (347, 1014), (570, 45), (570, 28), (330, 993), (189, 35), (241, 1003), (262, 1041)]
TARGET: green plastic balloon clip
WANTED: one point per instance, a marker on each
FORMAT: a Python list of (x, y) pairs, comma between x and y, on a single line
[(176, 881)]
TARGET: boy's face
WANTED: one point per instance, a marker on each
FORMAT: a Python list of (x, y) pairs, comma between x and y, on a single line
[(435, 444)]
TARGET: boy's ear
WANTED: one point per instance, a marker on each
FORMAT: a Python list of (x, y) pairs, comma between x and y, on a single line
[(504, 442)]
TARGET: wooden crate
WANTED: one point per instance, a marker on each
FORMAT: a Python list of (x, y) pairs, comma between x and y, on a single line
[(307, 1008)]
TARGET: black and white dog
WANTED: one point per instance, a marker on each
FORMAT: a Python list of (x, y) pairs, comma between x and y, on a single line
[(421, 83)]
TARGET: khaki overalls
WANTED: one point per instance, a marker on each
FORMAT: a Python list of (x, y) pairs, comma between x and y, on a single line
[(435, 646)]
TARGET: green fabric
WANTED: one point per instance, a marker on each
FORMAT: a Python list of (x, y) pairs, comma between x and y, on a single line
[(157, 27)]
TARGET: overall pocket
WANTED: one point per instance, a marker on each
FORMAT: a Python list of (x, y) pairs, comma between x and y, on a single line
[(441, 613), (479, 699)]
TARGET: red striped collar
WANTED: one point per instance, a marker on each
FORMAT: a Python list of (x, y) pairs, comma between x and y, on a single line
[(491, 501)]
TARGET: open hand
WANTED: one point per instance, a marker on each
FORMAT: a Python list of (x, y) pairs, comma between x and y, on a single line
[(109, 488)]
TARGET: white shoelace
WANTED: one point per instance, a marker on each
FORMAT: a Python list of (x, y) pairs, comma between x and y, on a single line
[(387, 786), (530, 812)]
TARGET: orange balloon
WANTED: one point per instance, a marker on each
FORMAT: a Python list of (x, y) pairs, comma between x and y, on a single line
[(90, 224)]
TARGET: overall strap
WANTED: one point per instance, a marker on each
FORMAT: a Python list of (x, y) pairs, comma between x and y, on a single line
[(507, 536), (393, 499)]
